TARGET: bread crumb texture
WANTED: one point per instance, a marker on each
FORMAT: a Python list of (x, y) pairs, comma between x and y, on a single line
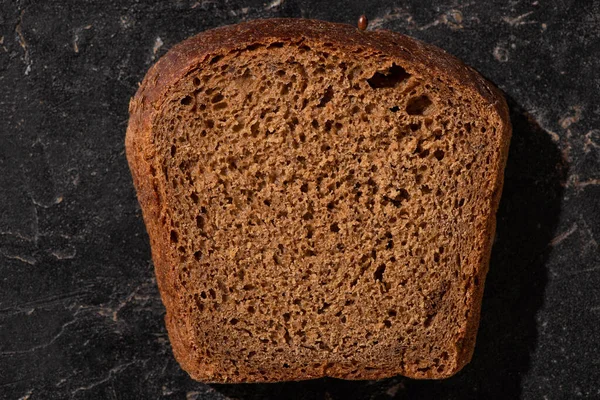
[(321, 212)]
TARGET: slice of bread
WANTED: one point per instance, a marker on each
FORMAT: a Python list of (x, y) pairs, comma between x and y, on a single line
[(320, 201)]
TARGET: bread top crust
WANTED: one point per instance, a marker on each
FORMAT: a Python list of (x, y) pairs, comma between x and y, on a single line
[(193, 53), (190, 53)]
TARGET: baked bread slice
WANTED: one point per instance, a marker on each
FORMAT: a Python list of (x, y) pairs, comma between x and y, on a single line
[(320, 200)]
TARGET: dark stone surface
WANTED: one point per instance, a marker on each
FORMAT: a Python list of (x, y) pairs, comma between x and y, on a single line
[(80, 315)]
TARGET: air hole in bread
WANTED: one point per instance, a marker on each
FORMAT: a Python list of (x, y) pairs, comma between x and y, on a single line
[(215, 59), (388, 79), (439, 154), (378, 275), (220, 106), (323, 308), (420, 105)]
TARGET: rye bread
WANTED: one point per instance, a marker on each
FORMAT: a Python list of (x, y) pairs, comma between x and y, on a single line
[(320, 201)]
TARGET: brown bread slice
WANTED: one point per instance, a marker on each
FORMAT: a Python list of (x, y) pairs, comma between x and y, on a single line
[(320, 201)]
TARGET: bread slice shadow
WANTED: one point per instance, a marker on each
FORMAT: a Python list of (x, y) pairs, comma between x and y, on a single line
[(514, 292)]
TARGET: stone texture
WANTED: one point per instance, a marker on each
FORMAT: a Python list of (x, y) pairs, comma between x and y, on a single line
[(80, 315)]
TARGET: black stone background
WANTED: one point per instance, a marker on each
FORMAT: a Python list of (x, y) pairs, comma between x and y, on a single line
[(80, 314)]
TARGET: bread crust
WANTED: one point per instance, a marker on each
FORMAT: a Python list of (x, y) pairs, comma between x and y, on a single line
[(190, 54)]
